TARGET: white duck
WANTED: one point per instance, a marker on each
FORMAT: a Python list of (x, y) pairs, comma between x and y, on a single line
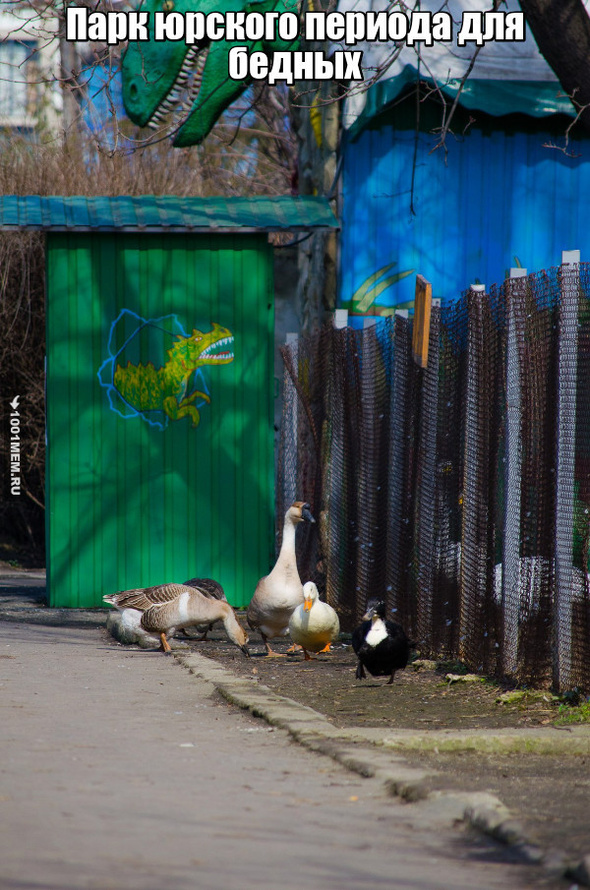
[(168, 607), (278, 594), (314, 624)]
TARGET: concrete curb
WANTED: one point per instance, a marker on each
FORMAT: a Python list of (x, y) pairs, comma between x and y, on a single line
[(380, 758), (367, 752)]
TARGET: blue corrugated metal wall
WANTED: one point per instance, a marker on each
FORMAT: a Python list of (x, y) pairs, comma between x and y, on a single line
[(493, 198)]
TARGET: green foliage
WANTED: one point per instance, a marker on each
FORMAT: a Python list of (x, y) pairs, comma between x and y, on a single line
[(452, 667), (571, 714)]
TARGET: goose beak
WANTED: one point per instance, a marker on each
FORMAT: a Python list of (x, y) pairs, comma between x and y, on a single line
[(245, 650), (306, 513)]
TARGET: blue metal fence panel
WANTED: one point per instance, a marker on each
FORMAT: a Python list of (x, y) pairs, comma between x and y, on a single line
[(492, 202)]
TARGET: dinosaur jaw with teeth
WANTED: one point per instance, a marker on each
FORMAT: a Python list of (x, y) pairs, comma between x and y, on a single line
[(212, 355), (192, 67)]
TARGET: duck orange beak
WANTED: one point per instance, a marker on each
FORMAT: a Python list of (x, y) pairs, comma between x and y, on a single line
[(306, 605)]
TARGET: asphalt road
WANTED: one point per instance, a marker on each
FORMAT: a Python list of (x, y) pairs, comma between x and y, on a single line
[(120, 769)]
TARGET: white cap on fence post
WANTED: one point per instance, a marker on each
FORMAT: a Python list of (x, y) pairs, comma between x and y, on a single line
[(570, 257), (291, 338), (340, 318), (518, 272), (478, 288)]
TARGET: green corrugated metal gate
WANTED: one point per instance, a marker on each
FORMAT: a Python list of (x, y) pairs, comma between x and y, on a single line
[(159, 388), (138, 497)]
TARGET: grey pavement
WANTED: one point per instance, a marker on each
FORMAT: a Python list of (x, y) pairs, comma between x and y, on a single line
[(122, 768)]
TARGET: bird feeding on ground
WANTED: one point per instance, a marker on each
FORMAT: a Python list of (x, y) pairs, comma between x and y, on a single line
[(212, 590), (279, 593), (166, 608), (381, 646), (314, 625)]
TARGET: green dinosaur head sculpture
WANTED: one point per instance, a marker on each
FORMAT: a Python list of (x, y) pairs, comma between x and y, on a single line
[(155, 73)]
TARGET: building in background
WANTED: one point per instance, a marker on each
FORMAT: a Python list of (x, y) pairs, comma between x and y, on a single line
[(49, 85), (30, 94), (504, 189)]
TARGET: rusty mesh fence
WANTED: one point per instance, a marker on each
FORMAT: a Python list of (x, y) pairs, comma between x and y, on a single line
[(459, 493)]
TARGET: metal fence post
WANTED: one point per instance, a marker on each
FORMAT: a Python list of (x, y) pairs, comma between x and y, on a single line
[(334, 469), (566, 441), (291, 433), (398, 451), (340, 318), (472, 556), (515, 290), (426, 531), (367, 513)]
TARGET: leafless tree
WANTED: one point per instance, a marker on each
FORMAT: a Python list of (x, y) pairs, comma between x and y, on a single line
[(562, 31)]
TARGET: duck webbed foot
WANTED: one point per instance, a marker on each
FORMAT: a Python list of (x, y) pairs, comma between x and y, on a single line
[(294, 649), (270, 653)]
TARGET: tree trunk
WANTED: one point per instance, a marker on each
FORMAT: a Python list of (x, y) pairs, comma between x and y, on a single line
[(562, 31), (69, 71)]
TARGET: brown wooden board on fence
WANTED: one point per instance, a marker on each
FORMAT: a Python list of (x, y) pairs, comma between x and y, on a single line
[(421, 332)]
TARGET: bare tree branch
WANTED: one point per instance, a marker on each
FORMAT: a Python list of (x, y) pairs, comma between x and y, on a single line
[(562, 31)]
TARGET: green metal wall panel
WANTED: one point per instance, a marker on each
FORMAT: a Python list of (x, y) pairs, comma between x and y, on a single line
[(136, 498)]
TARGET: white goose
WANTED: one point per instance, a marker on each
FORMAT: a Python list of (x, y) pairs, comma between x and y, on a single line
[(168, 607), (314, 625), (278, 594)]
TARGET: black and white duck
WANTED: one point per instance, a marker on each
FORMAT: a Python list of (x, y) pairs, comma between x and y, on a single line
[(381, 646)]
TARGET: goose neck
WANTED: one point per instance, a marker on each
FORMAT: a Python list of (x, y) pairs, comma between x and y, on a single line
[(288, 542)]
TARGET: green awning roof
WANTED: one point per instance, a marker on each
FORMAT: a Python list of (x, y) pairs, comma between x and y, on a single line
[(496, 97), (165, 213)]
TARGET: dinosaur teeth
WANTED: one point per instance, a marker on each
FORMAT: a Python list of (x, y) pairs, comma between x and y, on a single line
[(191, 71), (156, 119), (218, 356), (197, 80)]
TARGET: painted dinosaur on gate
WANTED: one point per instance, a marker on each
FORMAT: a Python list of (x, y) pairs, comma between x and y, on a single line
[(147, 388), (156, 73), (155, 370)]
